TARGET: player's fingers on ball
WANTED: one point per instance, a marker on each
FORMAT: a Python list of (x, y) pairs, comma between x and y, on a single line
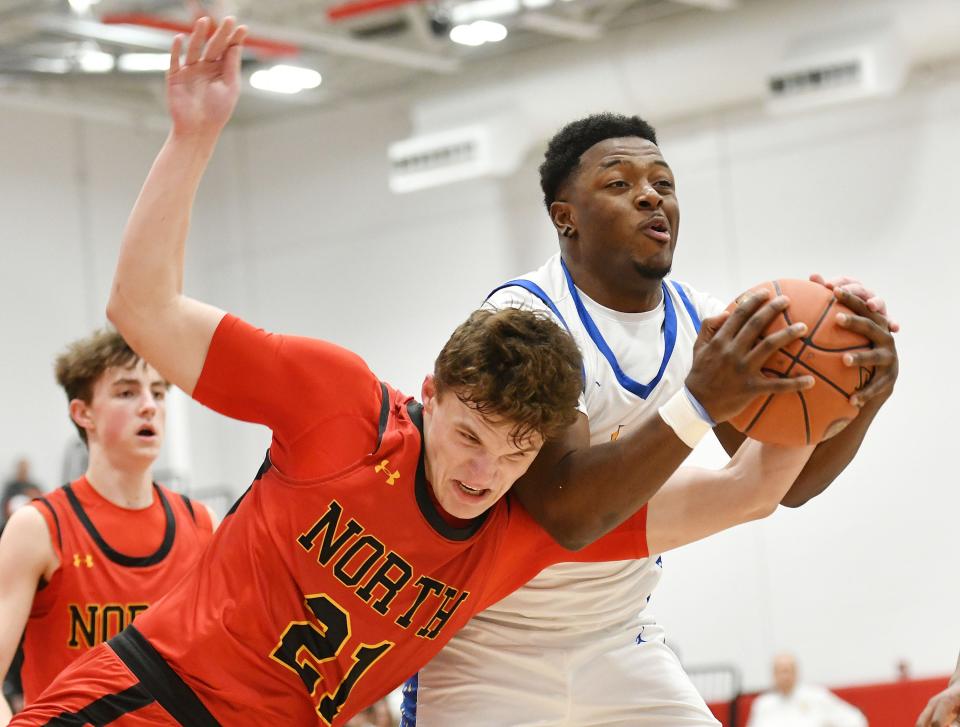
[(843, 280), (879, 384), (197, 37), (860, 291), (877, 333), (747, 305), (710, 326), (217, 44), (752, 328), (176, 48), (785, 385), (859, 306), (882, 357), (769, 345)]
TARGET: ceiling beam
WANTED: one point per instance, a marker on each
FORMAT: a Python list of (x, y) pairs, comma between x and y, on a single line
[(364, 50), (710, 4), (550, 24), (159, 40)]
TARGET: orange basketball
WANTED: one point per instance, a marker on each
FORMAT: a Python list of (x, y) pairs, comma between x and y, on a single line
[(810, 416)]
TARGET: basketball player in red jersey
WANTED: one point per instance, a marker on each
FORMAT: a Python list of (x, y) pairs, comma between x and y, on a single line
[(376, 526), (79, 564)]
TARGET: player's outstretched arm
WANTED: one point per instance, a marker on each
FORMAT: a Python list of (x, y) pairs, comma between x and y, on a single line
[(943, 709), (695, 503), (578, 492), (146, 303), (25, 556)]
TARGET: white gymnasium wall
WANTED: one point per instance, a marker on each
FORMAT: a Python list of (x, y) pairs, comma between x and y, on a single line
[(65, 187), (296, 231)]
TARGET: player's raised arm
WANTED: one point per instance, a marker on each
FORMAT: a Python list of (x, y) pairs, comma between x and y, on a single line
[(146, 303)]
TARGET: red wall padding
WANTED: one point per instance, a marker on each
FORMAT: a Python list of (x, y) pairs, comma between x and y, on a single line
[(897, 704)]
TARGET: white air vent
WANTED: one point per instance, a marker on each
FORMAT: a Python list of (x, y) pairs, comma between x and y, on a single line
[(836, 68), (494, 147)]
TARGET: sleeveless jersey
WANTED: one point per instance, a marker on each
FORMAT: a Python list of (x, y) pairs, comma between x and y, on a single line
[(633, 362), (98, 590), (334, 577)]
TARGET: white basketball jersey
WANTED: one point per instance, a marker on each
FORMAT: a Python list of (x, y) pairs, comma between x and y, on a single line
[(633, 362)]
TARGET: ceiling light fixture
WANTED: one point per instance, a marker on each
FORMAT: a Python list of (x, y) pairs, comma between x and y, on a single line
[(478, 32), (467, 12), (81, 7), (95, 61), (143, 62), (285, 79)]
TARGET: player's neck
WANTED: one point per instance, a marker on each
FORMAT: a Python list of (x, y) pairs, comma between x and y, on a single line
[(128, 486), (641, 296)]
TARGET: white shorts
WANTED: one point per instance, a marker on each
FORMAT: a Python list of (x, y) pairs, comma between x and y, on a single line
[(607, 682)]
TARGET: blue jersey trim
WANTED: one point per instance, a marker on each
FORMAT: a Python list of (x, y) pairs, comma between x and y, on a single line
[(669, 339), (691, 311), (408, 707), (540, 293), (536, 290)]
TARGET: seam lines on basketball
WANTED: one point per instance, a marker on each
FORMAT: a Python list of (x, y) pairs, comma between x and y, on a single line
[(816, 347), (759, 413), (806, 414), (817, 374)]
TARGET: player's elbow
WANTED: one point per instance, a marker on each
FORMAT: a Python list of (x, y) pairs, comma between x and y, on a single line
[(118, 310), (795, 500), (763, 504), (569, 534)]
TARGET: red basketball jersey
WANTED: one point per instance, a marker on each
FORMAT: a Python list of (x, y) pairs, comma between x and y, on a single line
[(114, 563), (334, 577)]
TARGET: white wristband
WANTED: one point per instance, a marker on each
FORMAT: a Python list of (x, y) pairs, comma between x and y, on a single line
[(683, 418)]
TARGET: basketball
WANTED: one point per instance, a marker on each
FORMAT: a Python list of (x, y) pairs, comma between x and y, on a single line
[(807, 417)]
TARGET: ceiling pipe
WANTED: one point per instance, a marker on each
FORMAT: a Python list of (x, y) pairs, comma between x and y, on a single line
[(261, 46), (357, 8)]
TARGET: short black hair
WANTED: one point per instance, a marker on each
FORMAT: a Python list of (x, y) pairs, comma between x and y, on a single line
[(567, 145)]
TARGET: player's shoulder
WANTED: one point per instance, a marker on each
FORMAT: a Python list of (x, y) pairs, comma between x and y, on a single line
[(702, 303), (536, 289), (27, 538)]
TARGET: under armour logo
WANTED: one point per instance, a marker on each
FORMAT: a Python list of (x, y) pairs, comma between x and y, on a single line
[(79, 560), (391, 476)]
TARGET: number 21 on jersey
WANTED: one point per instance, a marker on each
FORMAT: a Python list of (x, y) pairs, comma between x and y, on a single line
[(304, 645)]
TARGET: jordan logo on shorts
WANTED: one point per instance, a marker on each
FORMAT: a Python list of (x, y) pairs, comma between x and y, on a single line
[(391, 476)]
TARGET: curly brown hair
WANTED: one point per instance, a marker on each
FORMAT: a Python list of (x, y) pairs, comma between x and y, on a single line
[(83, 362), (513, 365)]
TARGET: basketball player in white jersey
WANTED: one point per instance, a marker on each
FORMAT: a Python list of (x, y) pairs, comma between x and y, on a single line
[(575, 645)]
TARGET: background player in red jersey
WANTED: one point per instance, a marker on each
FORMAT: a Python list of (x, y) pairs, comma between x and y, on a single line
[(77, 565), (375, 528)]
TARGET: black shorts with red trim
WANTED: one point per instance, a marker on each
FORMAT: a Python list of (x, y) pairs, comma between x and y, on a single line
[(125, 683)]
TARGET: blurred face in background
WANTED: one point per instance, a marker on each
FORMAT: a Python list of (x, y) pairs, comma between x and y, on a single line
[(784, 673)]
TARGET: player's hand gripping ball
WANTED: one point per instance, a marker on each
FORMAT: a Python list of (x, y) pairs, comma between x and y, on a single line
[(807, 417)]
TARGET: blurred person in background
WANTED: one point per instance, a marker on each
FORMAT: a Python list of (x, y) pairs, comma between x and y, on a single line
[(18, 491), (790, 704)]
